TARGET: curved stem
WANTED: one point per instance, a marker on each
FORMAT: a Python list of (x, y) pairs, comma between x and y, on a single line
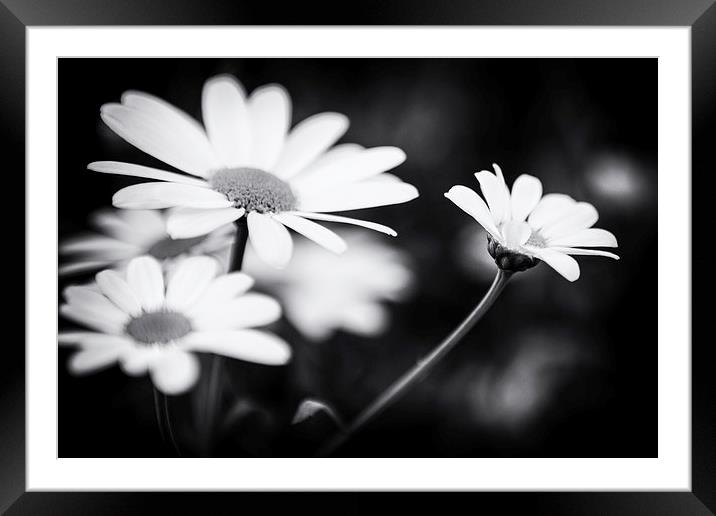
[(213, 389), (161, 410), (170, 428), (405, 382)]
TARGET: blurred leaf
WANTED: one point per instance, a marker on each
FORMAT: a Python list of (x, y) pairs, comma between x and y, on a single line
[(247, 430), (310, 408)]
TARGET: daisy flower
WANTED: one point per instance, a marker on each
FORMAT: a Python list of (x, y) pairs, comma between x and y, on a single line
[(524, 226), (244, 161), (322, 293), (147, 327), (126, 234)]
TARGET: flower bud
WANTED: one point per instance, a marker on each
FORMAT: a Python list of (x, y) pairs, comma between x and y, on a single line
[(507, 259)]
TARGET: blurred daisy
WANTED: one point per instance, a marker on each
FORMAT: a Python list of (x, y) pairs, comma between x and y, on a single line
[(246, 161), (525, 227), (147, 327), (322, 293), (126, 234)]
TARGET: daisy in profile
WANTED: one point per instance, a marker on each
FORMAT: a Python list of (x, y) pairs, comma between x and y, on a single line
[(147, 326), (246, 161), (322, 293), (524, 226), (126, 234)]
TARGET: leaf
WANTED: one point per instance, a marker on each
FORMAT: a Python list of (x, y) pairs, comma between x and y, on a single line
[(310, 408)]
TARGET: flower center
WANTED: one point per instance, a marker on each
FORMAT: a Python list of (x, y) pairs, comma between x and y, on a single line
[(158, 327), (254, 189), (171, 248), (536, 240)]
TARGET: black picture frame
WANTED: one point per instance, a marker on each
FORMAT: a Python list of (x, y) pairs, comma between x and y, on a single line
[(17, 15)]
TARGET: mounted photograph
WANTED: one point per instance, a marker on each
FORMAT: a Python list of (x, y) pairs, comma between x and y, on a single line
[(358, 257)]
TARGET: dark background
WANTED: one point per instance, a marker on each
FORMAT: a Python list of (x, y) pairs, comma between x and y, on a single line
[(555, 369)]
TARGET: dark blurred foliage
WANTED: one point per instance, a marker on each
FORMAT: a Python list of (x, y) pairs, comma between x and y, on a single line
[(556, 369)]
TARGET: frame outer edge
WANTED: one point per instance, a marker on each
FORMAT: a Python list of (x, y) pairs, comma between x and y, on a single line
[(12, 62), (364, 12), (703, 424), (12, 365)]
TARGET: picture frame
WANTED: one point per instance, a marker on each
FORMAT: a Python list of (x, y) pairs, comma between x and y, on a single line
[(16, 16)]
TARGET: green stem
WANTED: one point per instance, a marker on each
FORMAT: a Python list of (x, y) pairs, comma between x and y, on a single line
[(414, 375), (213, 389)]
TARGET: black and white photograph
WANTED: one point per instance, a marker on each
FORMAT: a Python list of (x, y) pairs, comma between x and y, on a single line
[(357, 257)]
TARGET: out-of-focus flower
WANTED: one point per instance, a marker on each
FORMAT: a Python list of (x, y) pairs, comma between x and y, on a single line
[(618, 178), (525, 227), (321, 292), (127, 234), (245, 161), (148, 327), (512, 394)]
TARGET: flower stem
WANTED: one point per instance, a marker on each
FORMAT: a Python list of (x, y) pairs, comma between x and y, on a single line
[(237, 253), (414, 375), (161, 410), (213, 386)]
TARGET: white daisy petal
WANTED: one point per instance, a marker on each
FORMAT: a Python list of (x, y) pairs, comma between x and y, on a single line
[(250, 345), (193, 222), (221, 289), (128, 169), (550, 209), (270, 115), (311, 175), (368, 319), (319, 234), (562, 263), (189, 281), (118, 291), (471, 203), (581, 216), (89, 301), (585, 252), (308, 140), (94, 359), (270, 239), (144, 276), (587, 237), (73, 338), (168, 195), (102, 245), (247, 311), (346, 220), (358, 196), (496, 194), (169, 114), (138, 360), (516, 234), (102, 340), (91, 319), (79, 267), (226, 118), (351, 167), (137, 227), (88, 339), (526, 193), (174, 371), (166, 138)]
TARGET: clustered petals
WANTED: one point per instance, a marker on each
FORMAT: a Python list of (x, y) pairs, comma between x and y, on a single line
[(525, 226), (125, 234), (151, 322), (245, 160)]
